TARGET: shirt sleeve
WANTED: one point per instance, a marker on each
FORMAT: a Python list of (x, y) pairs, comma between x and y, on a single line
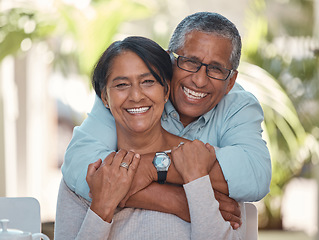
[(243, 154), (206, 219), (93, 140), (75, 220)]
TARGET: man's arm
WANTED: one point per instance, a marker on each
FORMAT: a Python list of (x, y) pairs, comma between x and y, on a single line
[(172, 199), (242, 154), (163, 198), (93, 140)]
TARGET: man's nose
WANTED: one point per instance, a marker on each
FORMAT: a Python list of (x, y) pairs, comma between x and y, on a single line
[(200, 78)]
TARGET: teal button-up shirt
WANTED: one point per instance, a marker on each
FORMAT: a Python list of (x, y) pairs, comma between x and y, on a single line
[(233, 127)]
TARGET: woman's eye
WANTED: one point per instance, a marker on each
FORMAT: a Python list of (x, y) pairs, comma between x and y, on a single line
[(148, 82), (122, 85)]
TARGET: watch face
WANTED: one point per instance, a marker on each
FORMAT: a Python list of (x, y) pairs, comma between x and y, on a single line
[(161, 161)]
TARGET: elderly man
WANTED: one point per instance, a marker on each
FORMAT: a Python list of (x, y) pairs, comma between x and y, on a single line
[(205, 104)]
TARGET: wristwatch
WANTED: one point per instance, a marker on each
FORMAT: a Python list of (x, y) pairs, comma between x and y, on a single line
[(161, 162)]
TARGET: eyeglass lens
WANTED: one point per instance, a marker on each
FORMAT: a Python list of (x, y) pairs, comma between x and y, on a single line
[(213, 71)]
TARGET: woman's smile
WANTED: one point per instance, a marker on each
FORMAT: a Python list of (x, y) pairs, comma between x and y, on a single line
[(138, 110), (136, 99)]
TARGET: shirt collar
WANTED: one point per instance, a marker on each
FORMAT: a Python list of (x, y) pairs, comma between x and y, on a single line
[(170, 109)]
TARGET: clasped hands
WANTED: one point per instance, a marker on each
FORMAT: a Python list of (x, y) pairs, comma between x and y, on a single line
[(190, 161)]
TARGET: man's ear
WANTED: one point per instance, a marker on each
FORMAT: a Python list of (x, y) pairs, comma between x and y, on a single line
[(171, 56), (232, 81), (104, 100)]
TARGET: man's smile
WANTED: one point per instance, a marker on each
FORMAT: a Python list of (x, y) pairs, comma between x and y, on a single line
[(193, 95)]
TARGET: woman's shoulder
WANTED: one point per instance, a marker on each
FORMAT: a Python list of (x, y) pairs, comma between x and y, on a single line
[(174, 141)]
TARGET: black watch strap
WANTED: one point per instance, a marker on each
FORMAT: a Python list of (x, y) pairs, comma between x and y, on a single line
[(161, 177)]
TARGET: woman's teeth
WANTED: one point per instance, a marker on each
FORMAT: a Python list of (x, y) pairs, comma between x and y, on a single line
[(137, 110)]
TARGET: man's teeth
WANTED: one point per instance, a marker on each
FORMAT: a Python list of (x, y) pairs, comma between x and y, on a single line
[(192, 94), (138, 110)]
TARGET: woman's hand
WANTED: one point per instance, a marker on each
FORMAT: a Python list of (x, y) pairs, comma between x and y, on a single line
[(144, 176), (109, 182), (193, 160)]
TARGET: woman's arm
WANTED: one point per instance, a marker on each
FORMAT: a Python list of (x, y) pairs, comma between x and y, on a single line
[(205, 216), (75, 220), (206, 220), (109, 183)]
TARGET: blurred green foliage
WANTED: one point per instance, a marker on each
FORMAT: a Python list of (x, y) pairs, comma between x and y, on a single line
[(287, 85), (76, 36), (18, 24)]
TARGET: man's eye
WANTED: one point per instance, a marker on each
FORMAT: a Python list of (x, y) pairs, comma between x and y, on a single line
[(189, 61), (214, 68)]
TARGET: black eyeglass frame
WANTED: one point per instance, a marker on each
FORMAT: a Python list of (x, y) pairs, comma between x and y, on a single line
[(177, 57)]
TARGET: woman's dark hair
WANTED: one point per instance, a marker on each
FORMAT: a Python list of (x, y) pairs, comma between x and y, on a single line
[(155, 57)]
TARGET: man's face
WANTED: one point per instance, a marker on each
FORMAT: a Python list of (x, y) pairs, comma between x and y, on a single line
[(194, 94)]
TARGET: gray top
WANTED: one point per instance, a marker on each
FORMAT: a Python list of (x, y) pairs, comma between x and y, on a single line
[(75, 220)]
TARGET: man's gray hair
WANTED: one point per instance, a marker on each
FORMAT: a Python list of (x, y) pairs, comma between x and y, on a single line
[(210, 23)]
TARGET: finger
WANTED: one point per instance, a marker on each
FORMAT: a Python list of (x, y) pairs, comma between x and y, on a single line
[(109, 159), (93, 167), (134, 164), (122, 204), (231, 209), (235, 225), (198, 143), (118, 158), (129, 157), (210, 147), (230, 218), (225, 198)]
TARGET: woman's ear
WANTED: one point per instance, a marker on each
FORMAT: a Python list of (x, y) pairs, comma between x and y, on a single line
[(104, 100), (167, 91)]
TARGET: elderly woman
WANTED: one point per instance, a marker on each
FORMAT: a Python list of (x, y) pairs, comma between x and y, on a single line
[(132, 78)]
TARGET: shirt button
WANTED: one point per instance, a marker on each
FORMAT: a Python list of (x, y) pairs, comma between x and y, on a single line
[(174, 115)]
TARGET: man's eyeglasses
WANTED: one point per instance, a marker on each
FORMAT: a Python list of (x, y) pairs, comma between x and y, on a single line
[(213, 71)]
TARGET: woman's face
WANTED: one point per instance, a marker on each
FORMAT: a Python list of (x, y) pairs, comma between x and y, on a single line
[(135, 98)]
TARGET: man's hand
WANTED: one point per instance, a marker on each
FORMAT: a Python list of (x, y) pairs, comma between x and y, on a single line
[(229, 209)]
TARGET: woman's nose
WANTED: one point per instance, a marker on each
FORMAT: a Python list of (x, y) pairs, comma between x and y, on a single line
[(136, 93)]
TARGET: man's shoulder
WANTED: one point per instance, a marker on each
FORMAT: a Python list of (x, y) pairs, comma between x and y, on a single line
[(238, 98), (239, 95)]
